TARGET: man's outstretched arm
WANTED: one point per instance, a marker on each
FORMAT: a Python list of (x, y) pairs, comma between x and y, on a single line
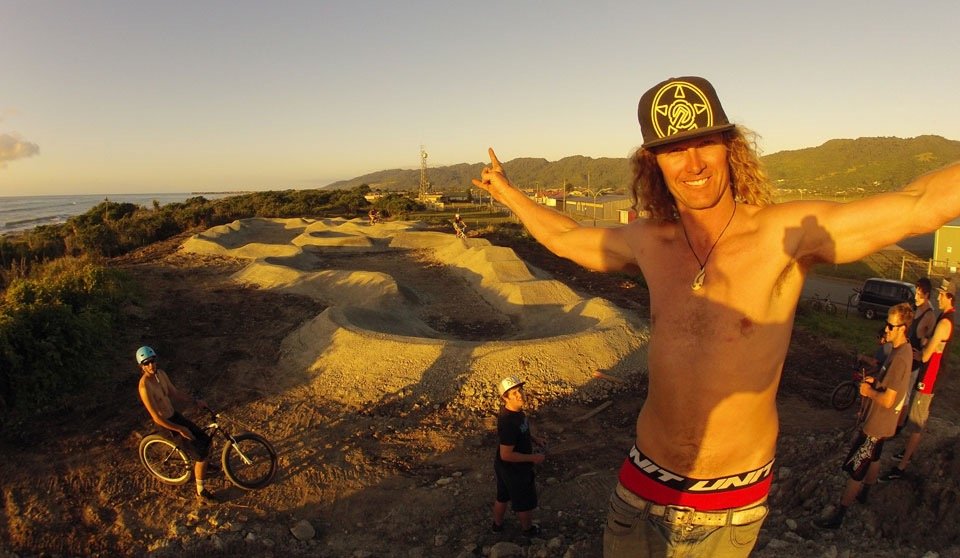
[(845, 232), (600, 249)]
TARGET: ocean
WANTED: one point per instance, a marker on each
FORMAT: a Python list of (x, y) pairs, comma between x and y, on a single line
[(20, 213)]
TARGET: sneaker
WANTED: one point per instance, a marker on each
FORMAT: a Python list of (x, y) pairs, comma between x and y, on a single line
[(496, 527), (833, 522), (897, 456), (207, 496), (893, 474), (533, 531)]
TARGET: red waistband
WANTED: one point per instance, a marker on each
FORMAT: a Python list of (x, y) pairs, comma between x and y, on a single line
[(649, 481)]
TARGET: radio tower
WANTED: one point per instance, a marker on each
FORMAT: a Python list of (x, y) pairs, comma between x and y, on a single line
[(424, 184)]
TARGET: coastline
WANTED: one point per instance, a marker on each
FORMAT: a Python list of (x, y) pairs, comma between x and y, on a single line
[(20, 214)]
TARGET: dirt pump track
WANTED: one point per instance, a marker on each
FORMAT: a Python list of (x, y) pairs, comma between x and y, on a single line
[(368, 355)]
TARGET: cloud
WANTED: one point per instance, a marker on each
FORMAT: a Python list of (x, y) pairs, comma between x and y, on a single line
[(12, 147)]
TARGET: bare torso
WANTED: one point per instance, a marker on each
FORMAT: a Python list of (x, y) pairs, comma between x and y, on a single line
[(157, 389), (715, 354)]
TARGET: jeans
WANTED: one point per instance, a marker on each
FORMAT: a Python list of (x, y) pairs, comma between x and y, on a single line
[(631, 532)]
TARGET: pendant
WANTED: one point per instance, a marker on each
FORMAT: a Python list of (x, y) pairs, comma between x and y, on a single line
[(698, 280)]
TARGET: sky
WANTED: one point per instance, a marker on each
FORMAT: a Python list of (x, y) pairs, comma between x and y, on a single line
[(104, 96)]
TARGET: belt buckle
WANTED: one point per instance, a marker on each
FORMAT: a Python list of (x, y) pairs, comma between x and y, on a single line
[(678, 514)]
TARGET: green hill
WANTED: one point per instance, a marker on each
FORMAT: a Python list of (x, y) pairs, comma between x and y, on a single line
[(861, 166), (840, 167)]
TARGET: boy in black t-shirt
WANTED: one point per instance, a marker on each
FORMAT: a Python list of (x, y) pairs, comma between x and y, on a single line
[(515, 459)]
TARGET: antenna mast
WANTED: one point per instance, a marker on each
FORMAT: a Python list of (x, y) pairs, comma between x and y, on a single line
[(424, 184)]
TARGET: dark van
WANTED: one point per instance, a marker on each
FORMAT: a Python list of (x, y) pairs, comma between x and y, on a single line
[(878, 295)]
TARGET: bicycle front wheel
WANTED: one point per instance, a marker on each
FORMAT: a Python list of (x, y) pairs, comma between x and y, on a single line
[(165, 460), (844, 395), (249, 461)]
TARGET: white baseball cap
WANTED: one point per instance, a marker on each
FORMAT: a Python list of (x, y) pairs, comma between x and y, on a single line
[(508, 383)]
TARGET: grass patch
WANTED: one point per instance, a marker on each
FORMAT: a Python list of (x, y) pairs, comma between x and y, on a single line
[(851, 334)]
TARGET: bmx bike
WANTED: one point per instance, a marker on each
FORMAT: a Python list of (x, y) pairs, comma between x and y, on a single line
[(823, 304), (847, 391), (248, 460)]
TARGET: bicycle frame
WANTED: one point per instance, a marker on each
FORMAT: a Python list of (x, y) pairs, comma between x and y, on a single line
[(215, 428)]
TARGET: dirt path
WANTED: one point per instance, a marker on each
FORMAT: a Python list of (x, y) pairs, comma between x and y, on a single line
[(404, 475)]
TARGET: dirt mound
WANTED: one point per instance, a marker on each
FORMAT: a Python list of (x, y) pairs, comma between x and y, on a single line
[(372, 313)]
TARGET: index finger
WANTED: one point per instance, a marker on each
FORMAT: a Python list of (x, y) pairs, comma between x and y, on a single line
[(494, 162)]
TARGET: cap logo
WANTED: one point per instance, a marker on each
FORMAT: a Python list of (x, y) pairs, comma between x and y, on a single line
[(680, 106)]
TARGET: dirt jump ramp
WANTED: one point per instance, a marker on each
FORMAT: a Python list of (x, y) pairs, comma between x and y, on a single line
[(372, 342)]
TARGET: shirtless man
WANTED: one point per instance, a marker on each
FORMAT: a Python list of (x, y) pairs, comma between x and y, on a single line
[(157, 393), (724, 270)]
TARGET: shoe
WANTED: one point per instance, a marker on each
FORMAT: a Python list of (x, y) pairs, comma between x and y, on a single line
[(897, 456), (207, 496), (832, 522), (893, 474), (495, 527), (533, 531)]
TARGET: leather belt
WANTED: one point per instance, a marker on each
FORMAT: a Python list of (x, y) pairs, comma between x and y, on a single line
[(685, 515)]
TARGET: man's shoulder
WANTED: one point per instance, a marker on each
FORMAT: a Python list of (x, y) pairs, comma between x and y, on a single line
[(903, 352)]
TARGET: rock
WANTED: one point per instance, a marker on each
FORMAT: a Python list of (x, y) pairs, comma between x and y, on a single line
[(216, 542), (777, 544), (362, 554), (303, 530), (791, 524), (440, 540), (444, 481), (250, 537), (504, 549)]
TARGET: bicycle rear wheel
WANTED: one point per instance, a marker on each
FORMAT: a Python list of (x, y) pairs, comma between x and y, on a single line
[(165, 460), (844, 395), (249, 461)]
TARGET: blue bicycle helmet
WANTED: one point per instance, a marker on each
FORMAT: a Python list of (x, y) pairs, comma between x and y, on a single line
[(145, 353)]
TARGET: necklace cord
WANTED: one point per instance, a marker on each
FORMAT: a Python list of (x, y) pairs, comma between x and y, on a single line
[(690, 245)]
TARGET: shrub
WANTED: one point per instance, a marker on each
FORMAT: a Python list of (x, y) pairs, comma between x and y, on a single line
[(53, 327)]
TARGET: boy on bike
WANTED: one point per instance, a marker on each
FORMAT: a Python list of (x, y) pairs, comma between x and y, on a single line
[(459, 226), (157, 393)]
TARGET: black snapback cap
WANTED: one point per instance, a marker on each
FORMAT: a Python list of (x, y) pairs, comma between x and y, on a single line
[(678, 109)]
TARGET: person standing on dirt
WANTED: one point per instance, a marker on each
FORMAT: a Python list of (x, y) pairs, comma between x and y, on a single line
[(724, 269), (886, 401), (920, 331), (514, 461), (934, 358), (158, 393)]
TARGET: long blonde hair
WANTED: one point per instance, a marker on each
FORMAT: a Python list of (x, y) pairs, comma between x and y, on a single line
[(748, 179)]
